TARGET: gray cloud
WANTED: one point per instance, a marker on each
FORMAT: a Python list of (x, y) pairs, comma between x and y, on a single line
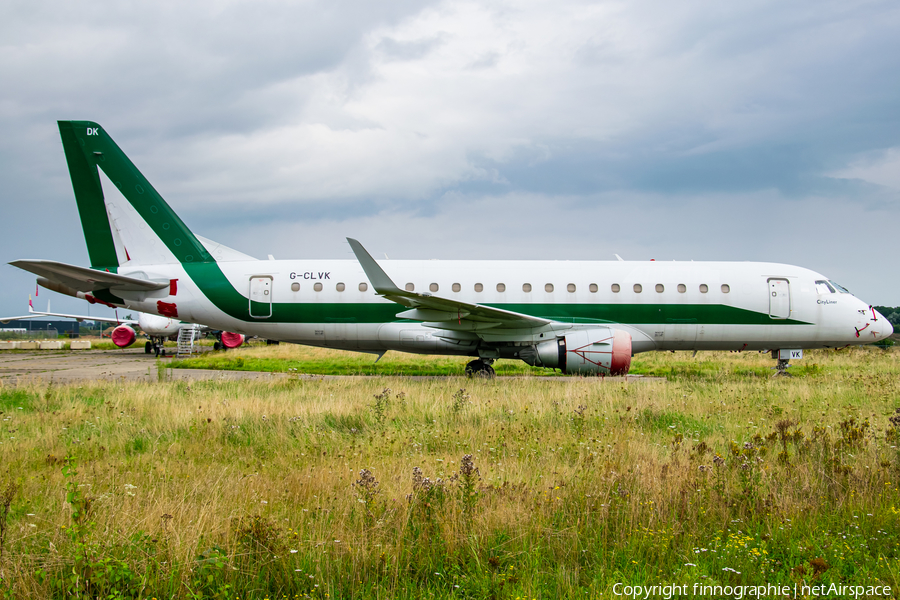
[(760, 131), (407, 50)]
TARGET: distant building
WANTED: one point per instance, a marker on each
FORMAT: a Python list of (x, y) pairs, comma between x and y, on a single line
[(67, 326)]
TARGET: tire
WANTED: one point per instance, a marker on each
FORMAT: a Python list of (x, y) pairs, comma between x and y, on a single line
[(148, 348), (217, 346), (480, 370)]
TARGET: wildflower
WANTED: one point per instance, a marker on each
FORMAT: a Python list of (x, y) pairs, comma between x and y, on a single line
[(467, 466)]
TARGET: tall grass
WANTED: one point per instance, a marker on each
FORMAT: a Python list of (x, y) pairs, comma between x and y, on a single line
[(387, 487)]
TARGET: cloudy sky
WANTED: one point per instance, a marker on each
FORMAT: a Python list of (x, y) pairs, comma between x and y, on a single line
[(758, 130)]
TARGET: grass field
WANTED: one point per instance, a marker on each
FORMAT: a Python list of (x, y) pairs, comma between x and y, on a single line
[(289, 358), (385, 487)]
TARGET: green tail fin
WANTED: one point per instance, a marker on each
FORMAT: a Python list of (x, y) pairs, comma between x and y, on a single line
[(88, 147), (89, 196)]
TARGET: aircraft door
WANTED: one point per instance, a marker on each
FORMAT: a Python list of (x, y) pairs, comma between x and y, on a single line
[(261, 296), (779, 298)]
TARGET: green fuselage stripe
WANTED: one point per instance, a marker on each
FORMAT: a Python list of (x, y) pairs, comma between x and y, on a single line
[(219, 290)]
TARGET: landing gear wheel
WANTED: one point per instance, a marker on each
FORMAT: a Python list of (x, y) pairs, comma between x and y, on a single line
[(217, 346), (781, 369), (148, 348), (480, 369), (162, 352)]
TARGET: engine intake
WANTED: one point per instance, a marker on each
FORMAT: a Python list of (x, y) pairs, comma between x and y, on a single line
[(123, 336), (601, 351), (232, 340)]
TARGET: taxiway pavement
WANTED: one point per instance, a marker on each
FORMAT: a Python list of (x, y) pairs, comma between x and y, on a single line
[(132, 364)]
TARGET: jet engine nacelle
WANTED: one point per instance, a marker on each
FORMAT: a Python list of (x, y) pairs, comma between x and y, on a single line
[(123, 336), (600, 351), (232, 340)]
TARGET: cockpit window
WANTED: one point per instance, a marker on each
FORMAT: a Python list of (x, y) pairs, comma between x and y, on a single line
[(839, 288), (822, 287)]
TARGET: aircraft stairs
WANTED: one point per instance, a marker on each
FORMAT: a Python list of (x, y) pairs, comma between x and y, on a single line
[(188, 341)]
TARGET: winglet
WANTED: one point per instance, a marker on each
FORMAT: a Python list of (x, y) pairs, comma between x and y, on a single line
[(380, 280)]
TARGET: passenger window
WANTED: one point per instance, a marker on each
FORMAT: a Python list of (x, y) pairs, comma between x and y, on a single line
[(295, 287), (479, 287), (548, 288), (638, 288), (340, 287), (726, 288), (615, 288), (318, 287), (501, 287), (660, 288), (571, 288), (682, 288), (593, 287), (822, 287), (704, 288), (526, 287), (456, 287), (410, 287), (363, 286), (433, 287)]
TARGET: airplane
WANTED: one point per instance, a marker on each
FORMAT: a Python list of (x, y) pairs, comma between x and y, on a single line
[(581, 317), (158, 329)]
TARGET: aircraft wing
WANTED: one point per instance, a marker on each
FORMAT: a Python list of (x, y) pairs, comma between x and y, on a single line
[(444, 313), (33, 314), (81, 318), (87, 280), (6, 320)]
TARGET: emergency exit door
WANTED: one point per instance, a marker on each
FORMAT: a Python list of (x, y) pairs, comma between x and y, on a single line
[(261, 296), (779, 298)]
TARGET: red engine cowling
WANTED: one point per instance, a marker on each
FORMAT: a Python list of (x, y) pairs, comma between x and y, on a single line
[(232, 340), (601, 351), (123, 336)]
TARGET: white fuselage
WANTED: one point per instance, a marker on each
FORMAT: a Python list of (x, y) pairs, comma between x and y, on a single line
[(679, 305)]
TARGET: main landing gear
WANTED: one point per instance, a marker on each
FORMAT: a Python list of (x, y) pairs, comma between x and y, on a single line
[(481, 368), (155, 346)]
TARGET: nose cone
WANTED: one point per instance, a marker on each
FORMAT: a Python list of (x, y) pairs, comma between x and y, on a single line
[(883, 327)]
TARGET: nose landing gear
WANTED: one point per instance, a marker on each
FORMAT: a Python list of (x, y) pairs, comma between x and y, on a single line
[(783, 363)]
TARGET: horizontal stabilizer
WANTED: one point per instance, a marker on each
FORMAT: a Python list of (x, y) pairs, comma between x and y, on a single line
[(441, 312), (87, 280)]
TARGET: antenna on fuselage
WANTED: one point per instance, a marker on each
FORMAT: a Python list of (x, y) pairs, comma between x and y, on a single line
[(619, 257)]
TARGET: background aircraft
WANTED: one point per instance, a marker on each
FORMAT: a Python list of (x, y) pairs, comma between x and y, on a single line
[(158, 329), (581, 316)]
